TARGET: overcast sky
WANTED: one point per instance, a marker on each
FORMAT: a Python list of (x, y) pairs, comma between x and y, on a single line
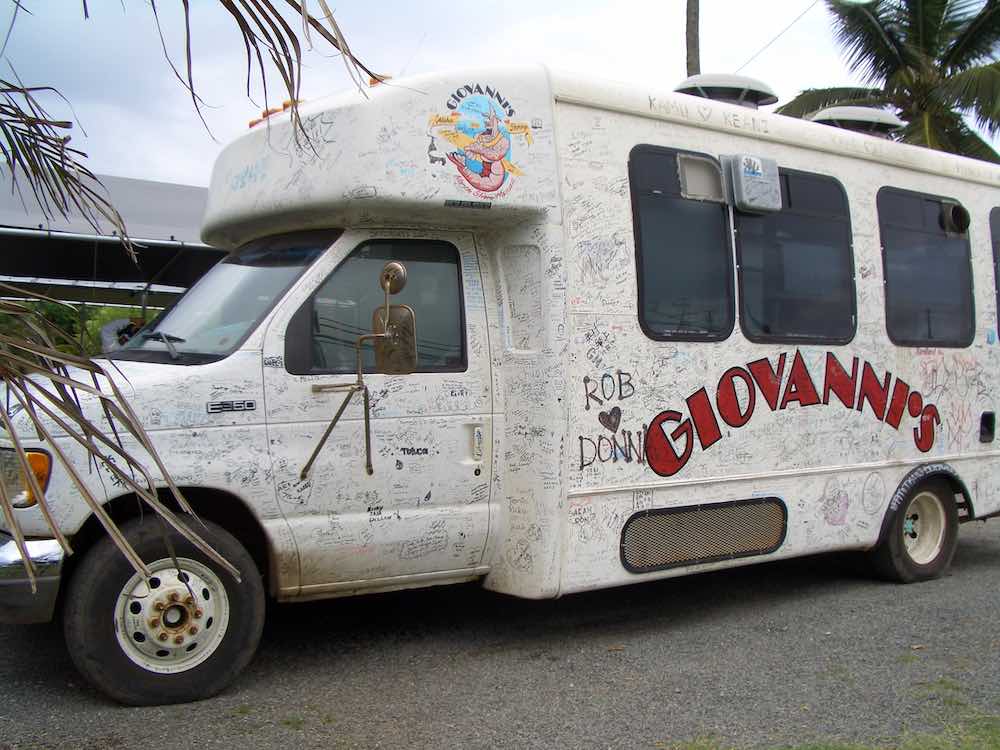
[(139, 120)]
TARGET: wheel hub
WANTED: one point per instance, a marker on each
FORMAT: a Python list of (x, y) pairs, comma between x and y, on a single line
[(173, 620), (924, 525)]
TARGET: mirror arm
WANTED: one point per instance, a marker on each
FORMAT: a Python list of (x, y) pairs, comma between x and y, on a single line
[(368, 435), (351, 389)]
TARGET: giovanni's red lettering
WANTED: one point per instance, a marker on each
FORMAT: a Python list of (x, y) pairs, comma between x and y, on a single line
[(728, 401), (704, 419), (660, 453), (838, 382), (800, 386), (768, 380), (923, 434)]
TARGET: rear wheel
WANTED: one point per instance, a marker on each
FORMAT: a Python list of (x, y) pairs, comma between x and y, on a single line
[(922, 535), (181, 635)]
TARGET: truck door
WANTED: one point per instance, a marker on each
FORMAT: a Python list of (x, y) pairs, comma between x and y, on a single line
[(424, 510)]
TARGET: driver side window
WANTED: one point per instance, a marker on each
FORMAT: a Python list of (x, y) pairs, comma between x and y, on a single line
[(322, 334)]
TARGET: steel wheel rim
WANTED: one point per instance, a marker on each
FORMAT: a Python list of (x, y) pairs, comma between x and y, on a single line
[(924, 525), (174, 620)]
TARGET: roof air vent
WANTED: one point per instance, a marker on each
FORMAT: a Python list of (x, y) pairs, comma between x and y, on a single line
[(869, 120), (740, 90)]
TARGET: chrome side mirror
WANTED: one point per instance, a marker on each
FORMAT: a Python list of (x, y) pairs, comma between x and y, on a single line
[(394, 326)]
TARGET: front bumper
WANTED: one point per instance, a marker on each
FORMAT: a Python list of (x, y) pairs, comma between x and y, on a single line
[(18, 606)]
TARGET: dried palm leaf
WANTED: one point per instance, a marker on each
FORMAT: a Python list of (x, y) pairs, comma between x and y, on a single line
[(36, 150), (66, 391)]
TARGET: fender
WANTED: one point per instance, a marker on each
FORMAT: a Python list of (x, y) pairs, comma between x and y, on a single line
[(912, 480)]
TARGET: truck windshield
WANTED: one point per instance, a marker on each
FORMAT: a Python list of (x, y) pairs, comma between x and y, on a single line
[(218, 313)]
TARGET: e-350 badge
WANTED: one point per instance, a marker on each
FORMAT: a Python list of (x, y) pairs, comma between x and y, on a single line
[(217, 407)]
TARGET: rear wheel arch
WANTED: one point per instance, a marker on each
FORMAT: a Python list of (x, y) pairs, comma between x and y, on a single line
[(918, 476)]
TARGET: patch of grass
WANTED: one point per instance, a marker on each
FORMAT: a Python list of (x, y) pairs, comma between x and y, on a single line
[(243, 710), (294, 722), (698, 744), (971, 731), (950, 693)]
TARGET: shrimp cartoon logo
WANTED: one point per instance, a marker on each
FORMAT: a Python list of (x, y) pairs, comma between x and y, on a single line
[(480, 128)]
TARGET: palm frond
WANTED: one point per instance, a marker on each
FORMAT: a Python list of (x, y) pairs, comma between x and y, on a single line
[(977, 41), (271, 46), (924, 25), (871, 37), (36, 152), (947, 132), (813, 100), (976, 90), (74, 396)]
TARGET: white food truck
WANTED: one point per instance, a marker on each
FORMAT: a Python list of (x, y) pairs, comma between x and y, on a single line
[(642, 334)]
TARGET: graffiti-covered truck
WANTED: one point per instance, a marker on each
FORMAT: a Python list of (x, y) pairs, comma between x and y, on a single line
[(546, 333)]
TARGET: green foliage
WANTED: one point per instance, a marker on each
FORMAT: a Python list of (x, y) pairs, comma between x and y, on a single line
[(930, 62), (69, 319)]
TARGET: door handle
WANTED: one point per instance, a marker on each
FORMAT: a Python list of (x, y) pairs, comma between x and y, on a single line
[(477, 443)]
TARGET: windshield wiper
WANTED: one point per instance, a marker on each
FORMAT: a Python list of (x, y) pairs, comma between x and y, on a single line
[(167, 339)]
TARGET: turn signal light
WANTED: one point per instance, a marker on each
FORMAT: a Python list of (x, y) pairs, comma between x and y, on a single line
[(41, 467)]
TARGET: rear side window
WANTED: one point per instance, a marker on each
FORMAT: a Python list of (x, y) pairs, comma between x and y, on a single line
[(683, 257), (928, 272), (322, 334), (995, 234), (796, 268)]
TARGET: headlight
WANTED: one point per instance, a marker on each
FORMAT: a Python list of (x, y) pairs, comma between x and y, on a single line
[(16, 483)]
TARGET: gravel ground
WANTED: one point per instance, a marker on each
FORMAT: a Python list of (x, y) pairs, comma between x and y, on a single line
[(783, 653)]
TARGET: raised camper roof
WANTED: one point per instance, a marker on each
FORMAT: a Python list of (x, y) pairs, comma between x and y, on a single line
[(472, 148), (459, 149)]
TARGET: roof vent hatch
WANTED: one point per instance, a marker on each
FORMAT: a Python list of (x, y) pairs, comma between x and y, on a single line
[(868, 120), (732, 89)]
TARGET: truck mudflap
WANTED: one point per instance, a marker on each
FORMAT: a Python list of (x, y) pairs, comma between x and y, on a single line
[(18, 605)]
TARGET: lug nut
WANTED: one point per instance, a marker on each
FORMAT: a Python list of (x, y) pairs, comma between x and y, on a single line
[(197, 614), (173, 596), (158, 606), (179, 640), (155, 622), (162, 636), (189, 600), (193, 630)]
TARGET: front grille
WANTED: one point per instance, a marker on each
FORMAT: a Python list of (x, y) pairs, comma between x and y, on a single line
[(670, 537)]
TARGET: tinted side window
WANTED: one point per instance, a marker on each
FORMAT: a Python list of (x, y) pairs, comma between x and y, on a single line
[(322, 334), (995, 234), (684, 264), (796, 268), (928, 272)]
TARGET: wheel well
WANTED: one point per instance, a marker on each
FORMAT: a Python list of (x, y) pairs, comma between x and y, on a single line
[(919, 475), (958, 488), (218, 506)]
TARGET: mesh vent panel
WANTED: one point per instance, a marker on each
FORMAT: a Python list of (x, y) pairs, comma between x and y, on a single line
[(669, 537)]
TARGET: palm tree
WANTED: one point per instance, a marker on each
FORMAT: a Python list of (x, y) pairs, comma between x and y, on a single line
[(691, 36), (933, 62)]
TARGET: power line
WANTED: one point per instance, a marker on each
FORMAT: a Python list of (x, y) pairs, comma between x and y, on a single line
[(776, 38)]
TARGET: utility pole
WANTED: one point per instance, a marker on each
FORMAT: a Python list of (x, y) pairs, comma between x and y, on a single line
[(693, 51)]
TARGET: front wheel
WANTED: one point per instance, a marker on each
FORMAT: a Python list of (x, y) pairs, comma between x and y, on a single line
[(922, 535), (182, 635)]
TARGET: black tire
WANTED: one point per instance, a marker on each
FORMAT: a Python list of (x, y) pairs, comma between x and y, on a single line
[(894, 561), (91, 619)]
